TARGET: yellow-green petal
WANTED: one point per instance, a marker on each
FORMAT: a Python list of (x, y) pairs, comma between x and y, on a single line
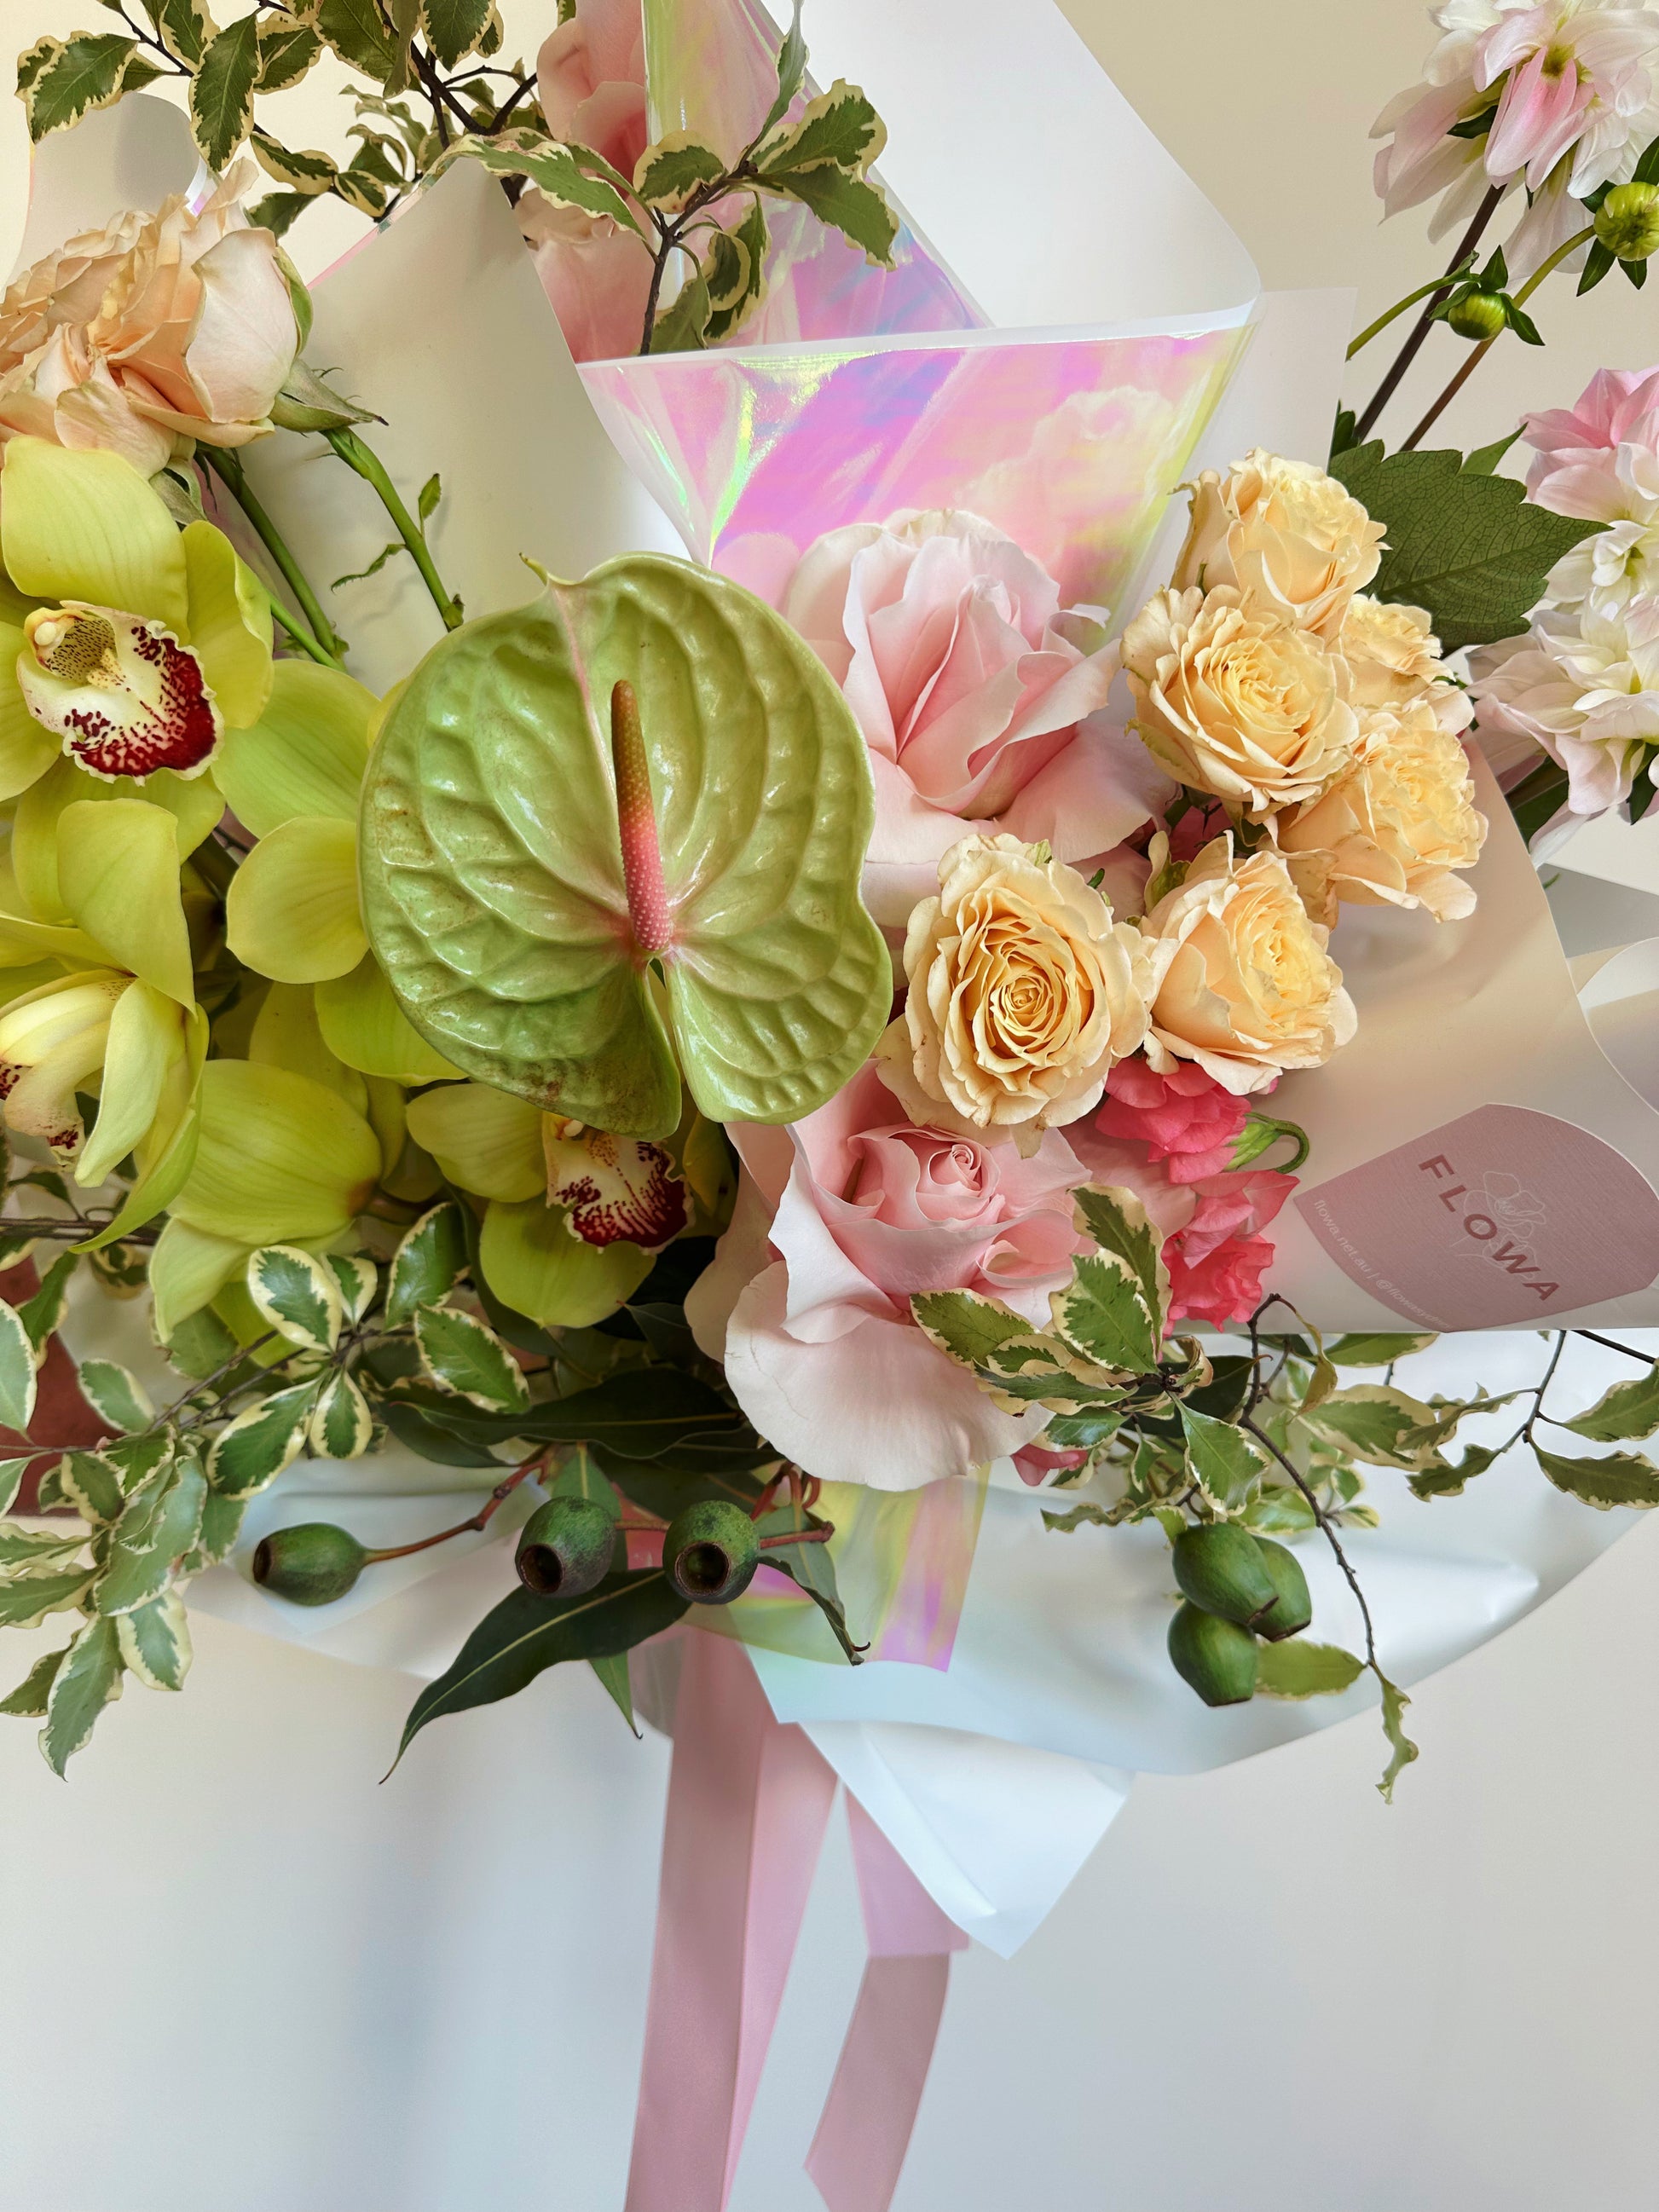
[(25, 749), (229, 624), (486, 1140), (87, 525), (533, 1264), (195, 803), (291, 912), (280, 1157), (146, 1037), (363, 1022), (167, 1153), (118, 869), (287, 1034), (306, 753), (186, 1271)]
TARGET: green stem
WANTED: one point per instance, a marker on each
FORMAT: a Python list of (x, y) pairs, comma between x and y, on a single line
[(362, 458), (1434, 284), (1481, 352), (299, 635), (229, 469), (1546, 267)]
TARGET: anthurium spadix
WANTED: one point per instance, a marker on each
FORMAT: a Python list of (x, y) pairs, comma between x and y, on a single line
[(125, 643), (647, 770)]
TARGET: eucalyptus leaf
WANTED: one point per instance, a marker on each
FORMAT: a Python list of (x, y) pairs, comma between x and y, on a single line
[(493, 879)]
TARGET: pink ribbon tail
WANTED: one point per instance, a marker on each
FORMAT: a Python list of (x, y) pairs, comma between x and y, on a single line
[(749, 1800)]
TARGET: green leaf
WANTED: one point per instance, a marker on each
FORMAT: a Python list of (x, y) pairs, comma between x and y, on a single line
[(652, 1414), (308, 172), (61, 79), (251, 1451), (735, 273), (278, 211), (26, 1602), (222, 91), (427, 1264), (184, 26), (357, 32), (92, 1484), (87, 1679), (116, 1395), (810, 1568), (668, 174), (792, 71), (222, 1524), (297, 1295), (553, 168), (527, 1634), (1394, 1702), (1446, 1478), (12, 1472), (30, 1551), (159, 1527), (839, 130), (1371, 1350), (200, 1344), (1628, 1410), (358, 1279), (287, 52), (849, 204), (1483, 462), (460, 1354), (342, 1427), (967, 1325), (683, 327), (612, 1667), (154, 1641), (1085, 1514), (42, 1314), (1103, 1313), (430, 493), (1380, 1425), (491, 859), (17, 1374), (454, 27), (1295, 1668), (1618, 1479), (421, 1430), (1118, 1222), (1228, 1463), (1472, 549), (28, 1700)]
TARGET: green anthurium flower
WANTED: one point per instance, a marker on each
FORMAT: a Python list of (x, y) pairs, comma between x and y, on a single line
[(126, 645), (119, 1016)]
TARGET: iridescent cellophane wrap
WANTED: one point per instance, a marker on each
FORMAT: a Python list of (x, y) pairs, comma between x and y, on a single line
[(857, 392)]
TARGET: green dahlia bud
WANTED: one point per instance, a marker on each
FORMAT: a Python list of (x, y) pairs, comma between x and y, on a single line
[(1481, 315), (711, 1552), (1292, 1608), (1220, 1567), (1627, 222), (311, 1564), (566, 1547), (1213, 1657)]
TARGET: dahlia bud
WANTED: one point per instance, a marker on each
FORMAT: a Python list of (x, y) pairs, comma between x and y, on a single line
[(1627, 222), (1478, 315)]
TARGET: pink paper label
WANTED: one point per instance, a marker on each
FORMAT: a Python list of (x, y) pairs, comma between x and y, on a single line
[(1503, 1215)]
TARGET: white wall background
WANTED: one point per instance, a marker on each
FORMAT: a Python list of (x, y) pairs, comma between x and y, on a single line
[(237, 1976)]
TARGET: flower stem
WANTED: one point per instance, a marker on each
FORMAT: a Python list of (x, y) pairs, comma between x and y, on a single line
[(225, 466), (1420, 328), (299, 635), (365, 462), (1434, 284), (1481, 352)]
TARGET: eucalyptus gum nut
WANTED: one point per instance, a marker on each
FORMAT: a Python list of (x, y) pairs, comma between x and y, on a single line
[(1292, 1607), (1215, 1657), (491, 856), (312, 1564), (566, 1546), (1219, 1565), (711, 1552)]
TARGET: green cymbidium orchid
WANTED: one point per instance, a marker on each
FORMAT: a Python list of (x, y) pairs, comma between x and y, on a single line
[(126, 644)]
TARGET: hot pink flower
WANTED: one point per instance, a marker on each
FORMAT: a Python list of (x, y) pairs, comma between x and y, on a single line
[(1036, 1463), (1225, 1286), (839, 1219), (1185, 1119), (1600, 458), (947, 642)]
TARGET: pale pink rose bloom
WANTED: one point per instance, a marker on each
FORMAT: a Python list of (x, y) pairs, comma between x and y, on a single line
[(839, 1219), (1600, 458), (1584, 685), (156, 333), (590, 76), (981, 713)]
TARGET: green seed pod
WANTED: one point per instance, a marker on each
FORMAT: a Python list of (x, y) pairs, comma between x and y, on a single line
[(566, 1547), (1215, 1657), (1627, 222), (1480, 316), (311, 1564), (711, 1552), (1292, 1608), (1220, 1567)]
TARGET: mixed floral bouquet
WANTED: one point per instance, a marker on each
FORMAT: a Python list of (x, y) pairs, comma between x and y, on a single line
[(688, 1053)]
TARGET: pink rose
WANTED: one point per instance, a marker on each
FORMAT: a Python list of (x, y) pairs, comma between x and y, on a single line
[(1600, 458), (838, 1220), (945, 639), (1185, 1119), (590, 75)]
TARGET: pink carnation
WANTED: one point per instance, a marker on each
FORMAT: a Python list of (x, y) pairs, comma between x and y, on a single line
[(839, 1220), (1184, 1118), (1600, 458), (1225, 1286)]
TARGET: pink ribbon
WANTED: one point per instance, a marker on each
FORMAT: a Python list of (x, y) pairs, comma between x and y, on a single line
[(748, 1801)]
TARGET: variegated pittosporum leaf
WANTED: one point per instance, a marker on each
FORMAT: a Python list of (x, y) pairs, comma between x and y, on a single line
[(492, 860)]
